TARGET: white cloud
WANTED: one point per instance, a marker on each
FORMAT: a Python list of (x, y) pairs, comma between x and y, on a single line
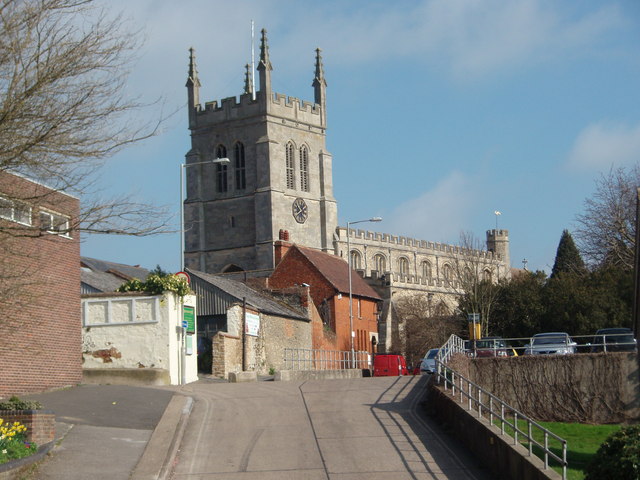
[(440, 214), (472, 37), (603, 145)]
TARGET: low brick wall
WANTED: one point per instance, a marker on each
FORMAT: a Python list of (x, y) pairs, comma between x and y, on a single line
[(41, 424), (496, 451)]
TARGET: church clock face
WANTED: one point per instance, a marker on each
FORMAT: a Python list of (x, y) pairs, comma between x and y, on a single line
[(300, 210)]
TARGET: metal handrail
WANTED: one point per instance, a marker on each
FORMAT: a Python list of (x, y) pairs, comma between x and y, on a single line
[(315, 359), (493, 407)]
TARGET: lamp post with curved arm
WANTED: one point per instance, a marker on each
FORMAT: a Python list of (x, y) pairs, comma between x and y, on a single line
[(351, 332), (183, 330)]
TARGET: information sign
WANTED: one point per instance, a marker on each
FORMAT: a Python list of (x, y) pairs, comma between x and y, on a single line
[(188, 316), (252, 324)]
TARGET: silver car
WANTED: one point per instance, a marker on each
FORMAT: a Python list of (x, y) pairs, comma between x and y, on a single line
[(553, 343), (428, 364)]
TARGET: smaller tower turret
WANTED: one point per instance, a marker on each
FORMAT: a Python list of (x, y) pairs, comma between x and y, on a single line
[(498, 242), (320, 87), (264, 69), (248, 84), (193, 88)]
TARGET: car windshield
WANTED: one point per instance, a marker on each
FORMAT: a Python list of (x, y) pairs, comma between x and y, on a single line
[(619, 338), (431, 354), (549, 340)]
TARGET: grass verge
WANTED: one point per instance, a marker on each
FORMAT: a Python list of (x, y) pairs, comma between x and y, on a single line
[(582, 443)]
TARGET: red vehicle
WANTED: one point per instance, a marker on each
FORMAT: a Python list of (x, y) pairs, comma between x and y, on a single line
[(491, 347), (389, 365)]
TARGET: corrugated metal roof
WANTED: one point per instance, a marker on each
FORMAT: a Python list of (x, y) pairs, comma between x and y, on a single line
[(215, 294)]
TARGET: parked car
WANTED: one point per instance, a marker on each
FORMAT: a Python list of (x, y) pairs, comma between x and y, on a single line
[(428, 364), (491, 347), (552, 343), (614, 340), (389, 365)]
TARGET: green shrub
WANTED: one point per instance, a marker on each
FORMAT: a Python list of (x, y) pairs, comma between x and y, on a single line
[(14, 403), (618, 456), (156, 285)]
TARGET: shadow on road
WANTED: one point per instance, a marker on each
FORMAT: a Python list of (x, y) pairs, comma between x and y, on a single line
[(401, 411)]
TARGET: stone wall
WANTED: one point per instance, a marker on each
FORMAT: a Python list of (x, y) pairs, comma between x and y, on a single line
[(586, 388), (227, 354)]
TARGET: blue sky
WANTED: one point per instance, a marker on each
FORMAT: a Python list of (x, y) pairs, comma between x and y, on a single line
[(439, 112)]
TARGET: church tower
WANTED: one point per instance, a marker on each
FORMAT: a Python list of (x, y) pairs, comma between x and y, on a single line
[(278, 177)]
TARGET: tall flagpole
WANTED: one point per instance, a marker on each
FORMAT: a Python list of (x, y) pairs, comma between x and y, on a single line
[(253, 65)]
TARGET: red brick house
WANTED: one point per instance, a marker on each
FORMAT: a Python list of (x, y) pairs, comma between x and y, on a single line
[(40, 323), (328, 279)]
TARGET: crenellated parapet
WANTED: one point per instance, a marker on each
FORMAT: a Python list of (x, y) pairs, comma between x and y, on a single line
[(386, 240), (230, 108)]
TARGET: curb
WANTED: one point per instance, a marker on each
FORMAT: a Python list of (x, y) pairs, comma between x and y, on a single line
[(157, 460), (13, 468)]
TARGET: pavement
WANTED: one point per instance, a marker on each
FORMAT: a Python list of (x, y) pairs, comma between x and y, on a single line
[(113, 431)]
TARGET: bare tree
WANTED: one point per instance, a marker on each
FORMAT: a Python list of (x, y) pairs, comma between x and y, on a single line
[(475, 277), (606, 229), (63, 109), (426, 324)]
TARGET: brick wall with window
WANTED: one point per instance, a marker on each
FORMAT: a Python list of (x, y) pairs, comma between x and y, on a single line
[(40, 323)]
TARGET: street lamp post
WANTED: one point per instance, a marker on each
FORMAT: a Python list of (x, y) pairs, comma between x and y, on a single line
[(183, 330), (351, 332), (183, 166)]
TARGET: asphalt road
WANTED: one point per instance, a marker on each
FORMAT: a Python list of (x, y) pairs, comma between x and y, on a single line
[(369, 428)]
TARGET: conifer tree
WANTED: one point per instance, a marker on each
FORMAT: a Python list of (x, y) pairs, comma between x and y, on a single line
[(568, 259)]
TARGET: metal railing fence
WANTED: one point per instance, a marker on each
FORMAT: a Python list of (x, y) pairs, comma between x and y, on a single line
[(610, 342), (498, 412), (314, 359)]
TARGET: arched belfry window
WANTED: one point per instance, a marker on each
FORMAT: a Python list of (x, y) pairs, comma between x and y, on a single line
[(380, 262), (221, 170), (304, 168), (240, 170), (403, 266), (291, 177), (356, 260)]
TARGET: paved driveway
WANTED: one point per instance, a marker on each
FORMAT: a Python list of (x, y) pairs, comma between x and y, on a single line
[(369, 428)]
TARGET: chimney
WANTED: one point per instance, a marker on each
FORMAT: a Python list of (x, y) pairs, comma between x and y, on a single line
[(282, 246)]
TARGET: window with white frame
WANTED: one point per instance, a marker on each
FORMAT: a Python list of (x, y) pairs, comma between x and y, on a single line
[(15, 211), (54, 223), (116, 311)]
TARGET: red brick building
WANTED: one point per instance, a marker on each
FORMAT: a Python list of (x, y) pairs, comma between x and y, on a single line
[(328, 279), (40, 323)]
